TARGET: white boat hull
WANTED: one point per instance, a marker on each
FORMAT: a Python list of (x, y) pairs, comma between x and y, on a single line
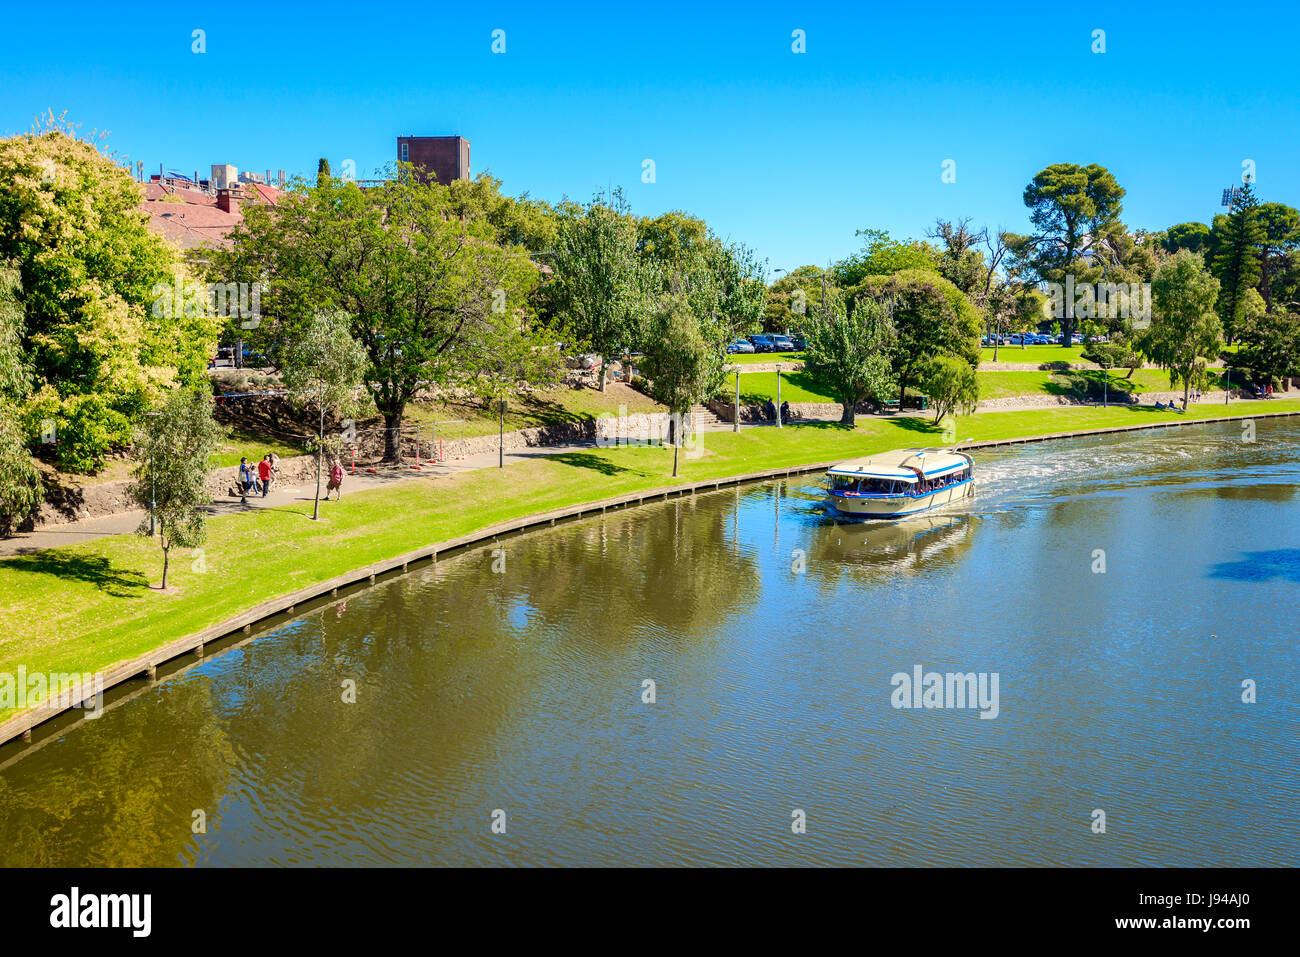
[(899, 506)]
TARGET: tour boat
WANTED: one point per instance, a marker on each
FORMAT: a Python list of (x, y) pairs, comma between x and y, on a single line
[(900, 483)]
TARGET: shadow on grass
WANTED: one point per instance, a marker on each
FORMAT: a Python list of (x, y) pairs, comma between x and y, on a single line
[(586, 460), (95, 569), (1280, 563), (915, 423)]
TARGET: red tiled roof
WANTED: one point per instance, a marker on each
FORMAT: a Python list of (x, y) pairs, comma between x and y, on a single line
[(195, 220)]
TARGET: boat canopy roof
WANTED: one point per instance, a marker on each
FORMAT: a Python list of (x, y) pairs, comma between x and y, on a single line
[(901, 464)]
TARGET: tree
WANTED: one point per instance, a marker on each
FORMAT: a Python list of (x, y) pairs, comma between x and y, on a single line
[(420, 283), (1236, 263), (1281, 227), (93, 283), (960, 260), (602, 287), (790, 297), (1194, 237), (325, 367), (1117, 353), (20, 480), (1075, 211), (172, 456), (882, 256), (1270, 342), (521, 357), (323, 172), (951, 385), (1184, 327), (677, 361), (851, 352), (931, 317)]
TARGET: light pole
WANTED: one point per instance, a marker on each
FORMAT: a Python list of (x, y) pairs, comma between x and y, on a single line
[(735, 425), (153, 503), (778, 395)]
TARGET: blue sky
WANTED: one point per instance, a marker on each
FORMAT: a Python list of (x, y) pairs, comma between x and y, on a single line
[(790, 153)]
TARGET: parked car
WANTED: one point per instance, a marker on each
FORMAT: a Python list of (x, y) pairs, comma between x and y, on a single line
[(800, 343), (740, 345), (761, 343), (782, 344)]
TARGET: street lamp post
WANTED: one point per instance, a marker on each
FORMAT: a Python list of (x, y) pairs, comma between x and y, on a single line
[(778, 395), (735, 425)]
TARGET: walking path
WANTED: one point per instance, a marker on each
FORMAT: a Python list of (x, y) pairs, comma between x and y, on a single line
[(124, 523)]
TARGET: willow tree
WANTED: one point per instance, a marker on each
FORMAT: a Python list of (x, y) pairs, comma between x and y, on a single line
[(173, 452), (419, 282)]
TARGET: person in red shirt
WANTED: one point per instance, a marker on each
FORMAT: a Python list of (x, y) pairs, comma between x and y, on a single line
[(264, 473), (335, 483)]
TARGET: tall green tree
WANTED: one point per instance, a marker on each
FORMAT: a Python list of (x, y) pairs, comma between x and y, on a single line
[(677, 362), (1075, 211), (852, 352), (1236, 263), (101, 334), (324, 367), (1281, 227), (1269, 342), (602, 287), (931, 317), (419, 282), (172, 454), (1185, 330), (323, 172)]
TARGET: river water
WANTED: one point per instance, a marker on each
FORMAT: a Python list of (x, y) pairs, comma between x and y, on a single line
[(1121, 588)]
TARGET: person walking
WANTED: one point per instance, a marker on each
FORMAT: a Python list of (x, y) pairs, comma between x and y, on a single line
[(245, 480), (264, 473), (335, 483)]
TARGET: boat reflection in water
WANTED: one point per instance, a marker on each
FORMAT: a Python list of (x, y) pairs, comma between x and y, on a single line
[(906, 545)]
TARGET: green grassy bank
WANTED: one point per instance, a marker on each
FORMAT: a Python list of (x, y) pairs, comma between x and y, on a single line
[(85, 607)]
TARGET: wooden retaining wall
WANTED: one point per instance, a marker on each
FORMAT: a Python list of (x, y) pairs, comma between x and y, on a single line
[(283, 606)]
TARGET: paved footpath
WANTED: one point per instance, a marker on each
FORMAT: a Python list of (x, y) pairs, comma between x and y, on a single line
[(124, 523)]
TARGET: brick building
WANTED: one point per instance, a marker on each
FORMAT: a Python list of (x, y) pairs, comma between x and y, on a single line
[(445, 158)]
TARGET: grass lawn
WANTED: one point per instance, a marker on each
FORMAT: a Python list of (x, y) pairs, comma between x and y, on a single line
[(243, 443), (997, 385), (460, 419), (795, 387), (1033, 354), (741, 358), (85, 607)]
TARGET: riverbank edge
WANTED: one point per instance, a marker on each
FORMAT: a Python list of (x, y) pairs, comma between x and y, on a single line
[(21, 725)]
